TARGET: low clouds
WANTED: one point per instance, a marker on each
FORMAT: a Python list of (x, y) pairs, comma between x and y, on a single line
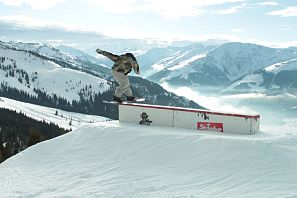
[(238, 30), (27, 29), (287, 12), (232, 10), (165, 8), (268, 3), (35, 4), (21, 20)]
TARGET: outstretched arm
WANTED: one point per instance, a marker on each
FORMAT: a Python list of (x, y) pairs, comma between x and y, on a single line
[(108, 55), (136, 67)]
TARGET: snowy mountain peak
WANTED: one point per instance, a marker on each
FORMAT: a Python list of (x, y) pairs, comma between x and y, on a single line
[(28, 72), (274, 79), (221, 65), (42, 49), (286, 65)]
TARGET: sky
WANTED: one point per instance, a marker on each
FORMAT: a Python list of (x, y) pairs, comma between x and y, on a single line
[(271, 22)]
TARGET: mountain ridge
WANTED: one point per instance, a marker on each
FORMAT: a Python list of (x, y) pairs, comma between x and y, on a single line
[(223, 64)]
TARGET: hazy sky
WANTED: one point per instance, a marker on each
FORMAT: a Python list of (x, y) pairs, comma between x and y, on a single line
[(271, 22)]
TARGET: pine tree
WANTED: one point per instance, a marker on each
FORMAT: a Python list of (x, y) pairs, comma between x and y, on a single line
[(34, 136), (1, 156)]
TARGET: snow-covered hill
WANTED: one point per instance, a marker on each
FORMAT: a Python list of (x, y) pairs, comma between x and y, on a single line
[(96, 64), (170, 57), (111, 159), (44, 75), (67, 56), (64, 119), (274, 79), (42, 49), (224, 64), (77, 53), (25, 71)]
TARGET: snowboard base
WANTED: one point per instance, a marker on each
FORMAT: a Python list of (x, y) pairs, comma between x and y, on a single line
[(124, 102)]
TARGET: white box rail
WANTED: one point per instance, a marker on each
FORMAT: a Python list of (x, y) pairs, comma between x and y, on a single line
[(201, 120)]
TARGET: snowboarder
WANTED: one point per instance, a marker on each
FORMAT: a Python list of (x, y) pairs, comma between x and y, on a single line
[(122, 67)]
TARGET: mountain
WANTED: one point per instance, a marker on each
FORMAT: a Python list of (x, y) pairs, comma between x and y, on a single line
[(26, 71), (71, 51), (88, 62), (44, 75), (274, 79), (220, 66), (70, 57), (111, 159), (120, 46), (157, 59)]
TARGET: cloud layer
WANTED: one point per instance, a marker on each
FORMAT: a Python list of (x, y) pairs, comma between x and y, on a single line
[(287, 12), (165, 8), (35, 4)]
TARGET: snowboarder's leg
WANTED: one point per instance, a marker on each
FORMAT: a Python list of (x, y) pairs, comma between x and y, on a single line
[(124, 84)]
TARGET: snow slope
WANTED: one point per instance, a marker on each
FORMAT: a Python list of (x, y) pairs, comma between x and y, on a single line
[(172, 58), (45, 50), (222, 65), (48, 76), (281, 77), (111, 159), (48, 114)]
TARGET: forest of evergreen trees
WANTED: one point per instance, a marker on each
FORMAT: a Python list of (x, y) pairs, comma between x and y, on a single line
[(93, 106), (18, 132)]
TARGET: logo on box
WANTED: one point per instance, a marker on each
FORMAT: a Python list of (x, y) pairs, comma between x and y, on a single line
[(210, 126), (145, 120)]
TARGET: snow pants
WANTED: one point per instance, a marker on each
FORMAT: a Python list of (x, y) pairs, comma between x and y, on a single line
[(124, 84)]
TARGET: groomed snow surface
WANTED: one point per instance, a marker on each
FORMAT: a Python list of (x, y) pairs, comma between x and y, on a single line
[(112, 159), (50, 115)]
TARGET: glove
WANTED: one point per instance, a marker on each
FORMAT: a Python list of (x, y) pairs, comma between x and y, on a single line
[(99, 51)]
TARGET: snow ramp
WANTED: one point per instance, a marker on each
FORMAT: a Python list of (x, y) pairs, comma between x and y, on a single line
[(112, 159)]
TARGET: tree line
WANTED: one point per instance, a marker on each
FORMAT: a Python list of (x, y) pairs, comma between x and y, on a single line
[(92, 105), (18, 132)]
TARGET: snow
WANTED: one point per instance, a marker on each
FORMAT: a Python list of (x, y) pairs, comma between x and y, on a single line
[(187, 62), (45, 50), (112, 159), (256, 80), (158, 59), (287, 65), (51, 77), (234, 60), (158, 67), (253, 80), (48, 114)]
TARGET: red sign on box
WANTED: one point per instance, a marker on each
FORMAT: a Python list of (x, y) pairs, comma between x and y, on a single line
[(210, 126)]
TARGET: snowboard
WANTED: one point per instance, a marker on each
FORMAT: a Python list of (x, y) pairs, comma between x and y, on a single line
[(124, 102)]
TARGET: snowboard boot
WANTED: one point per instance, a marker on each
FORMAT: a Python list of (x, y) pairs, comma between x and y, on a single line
[(131, 98), (117, 99)]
